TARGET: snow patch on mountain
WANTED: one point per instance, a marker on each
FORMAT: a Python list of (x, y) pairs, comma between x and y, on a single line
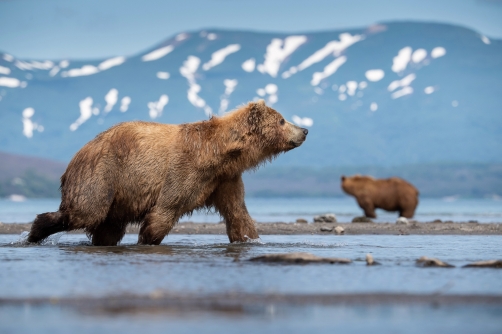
[(229, 88), (400, 62), (4, 70), (334, 47), (8, 57), (28, 125), (329, 70), (277, 51), (404, 82), (124, 103), (55, 70), (429, 90), (34, 65), (249, 65), (111, 99), (219, 56), (438, 52), (400, 93), (112, 62), (156, 107), (188, 71), (157, 54), (374, 75), (270, 90), (91, 69), (78, 72), (163, 75), (86, 111), (62, 64), (305, 121), (418, 55), (182, 36), (485, 39), (12, 82)]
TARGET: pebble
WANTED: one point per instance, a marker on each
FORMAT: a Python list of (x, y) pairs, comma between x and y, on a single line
[(370, 261), (473, 222), (339, 230), (302, 221), (437, 221), (485, 264), (299, 258), (362, 219), (326, 229), (425, 261), (402, 221), (327, 218)]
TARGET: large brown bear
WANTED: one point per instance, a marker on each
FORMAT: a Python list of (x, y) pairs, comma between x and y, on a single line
[(393, 194), (153, 174)]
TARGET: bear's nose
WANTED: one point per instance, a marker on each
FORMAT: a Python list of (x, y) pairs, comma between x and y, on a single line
[(305, 131)]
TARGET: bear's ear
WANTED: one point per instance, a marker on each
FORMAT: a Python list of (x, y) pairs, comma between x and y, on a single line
[(256, 110), (343, 178), (261, 102)]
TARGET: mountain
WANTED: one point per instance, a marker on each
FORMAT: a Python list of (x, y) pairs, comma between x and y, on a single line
[(389, 94), (29, 176)]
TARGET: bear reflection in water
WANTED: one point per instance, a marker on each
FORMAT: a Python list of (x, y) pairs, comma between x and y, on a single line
[(153, 174), (393, 194)]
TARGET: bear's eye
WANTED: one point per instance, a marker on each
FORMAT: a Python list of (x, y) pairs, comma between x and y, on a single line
[(282, 121)]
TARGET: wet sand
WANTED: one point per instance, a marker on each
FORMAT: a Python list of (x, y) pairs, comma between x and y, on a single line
[(430, 228), (239, 302)]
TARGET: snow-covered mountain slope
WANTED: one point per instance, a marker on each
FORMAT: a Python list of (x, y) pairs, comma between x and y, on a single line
[(394, 93)]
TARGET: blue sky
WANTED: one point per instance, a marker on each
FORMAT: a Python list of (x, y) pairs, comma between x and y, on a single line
[(87, 29)]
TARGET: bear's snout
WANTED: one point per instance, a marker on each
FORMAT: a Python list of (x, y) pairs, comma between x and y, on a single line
[(297, 135)]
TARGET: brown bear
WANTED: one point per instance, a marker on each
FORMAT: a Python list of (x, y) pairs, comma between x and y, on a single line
[(393, 194), (153, 174)]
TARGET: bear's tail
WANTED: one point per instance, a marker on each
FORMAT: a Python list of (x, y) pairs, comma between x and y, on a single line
[(46, 224)]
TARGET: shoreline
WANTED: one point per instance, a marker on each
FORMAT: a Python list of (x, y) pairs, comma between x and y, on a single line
[(430, 228), (159, 300)]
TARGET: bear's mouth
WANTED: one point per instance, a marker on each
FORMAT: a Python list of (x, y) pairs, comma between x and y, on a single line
[(295, 144)]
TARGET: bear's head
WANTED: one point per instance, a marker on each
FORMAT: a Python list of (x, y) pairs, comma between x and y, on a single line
[(352, 185), (270, 131)]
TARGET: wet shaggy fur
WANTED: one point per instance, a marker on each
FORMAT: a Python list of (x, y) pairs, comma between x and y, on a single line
[(152, 174), (393, 194)]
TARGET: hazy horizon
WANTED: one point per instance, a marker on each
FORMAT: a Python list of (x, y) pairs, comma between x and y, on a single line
[(93, 29)]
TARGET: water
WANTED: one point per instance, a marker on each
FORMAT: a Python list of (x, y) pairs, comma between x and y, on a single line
[(66, 266), (193, 263), (289, 209), (198, 265)]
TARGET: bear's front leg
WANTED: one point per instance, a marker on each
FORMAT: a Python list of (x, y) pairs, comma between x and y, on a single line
[(228, 199), (367, 205)]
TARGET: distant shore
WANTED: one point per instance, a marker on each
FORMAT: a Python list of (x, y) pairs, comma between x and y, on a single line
[(461, 228)]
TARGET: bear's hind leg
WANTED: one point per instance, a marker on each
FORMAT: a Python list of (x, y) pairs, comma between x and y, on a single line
[(108, 233), (156, 225), (46, 224), (407, 213)]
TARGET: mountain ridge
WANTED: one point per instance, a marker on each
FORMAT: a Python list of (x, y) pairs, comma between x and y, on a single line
[(444, 119)]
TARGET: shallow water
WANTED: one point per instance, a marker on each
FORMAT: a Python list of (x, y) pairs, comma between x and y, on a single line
[(67, 266), (271, 319), (289, 209), (208, 263)]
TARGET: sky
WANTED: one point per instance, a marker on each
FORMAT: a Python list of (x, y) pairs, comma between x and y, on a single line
[(89, 29)]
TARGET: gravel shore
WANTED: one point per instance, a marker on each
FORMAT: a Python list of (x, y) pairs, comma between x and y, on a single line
[(431, 228)]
